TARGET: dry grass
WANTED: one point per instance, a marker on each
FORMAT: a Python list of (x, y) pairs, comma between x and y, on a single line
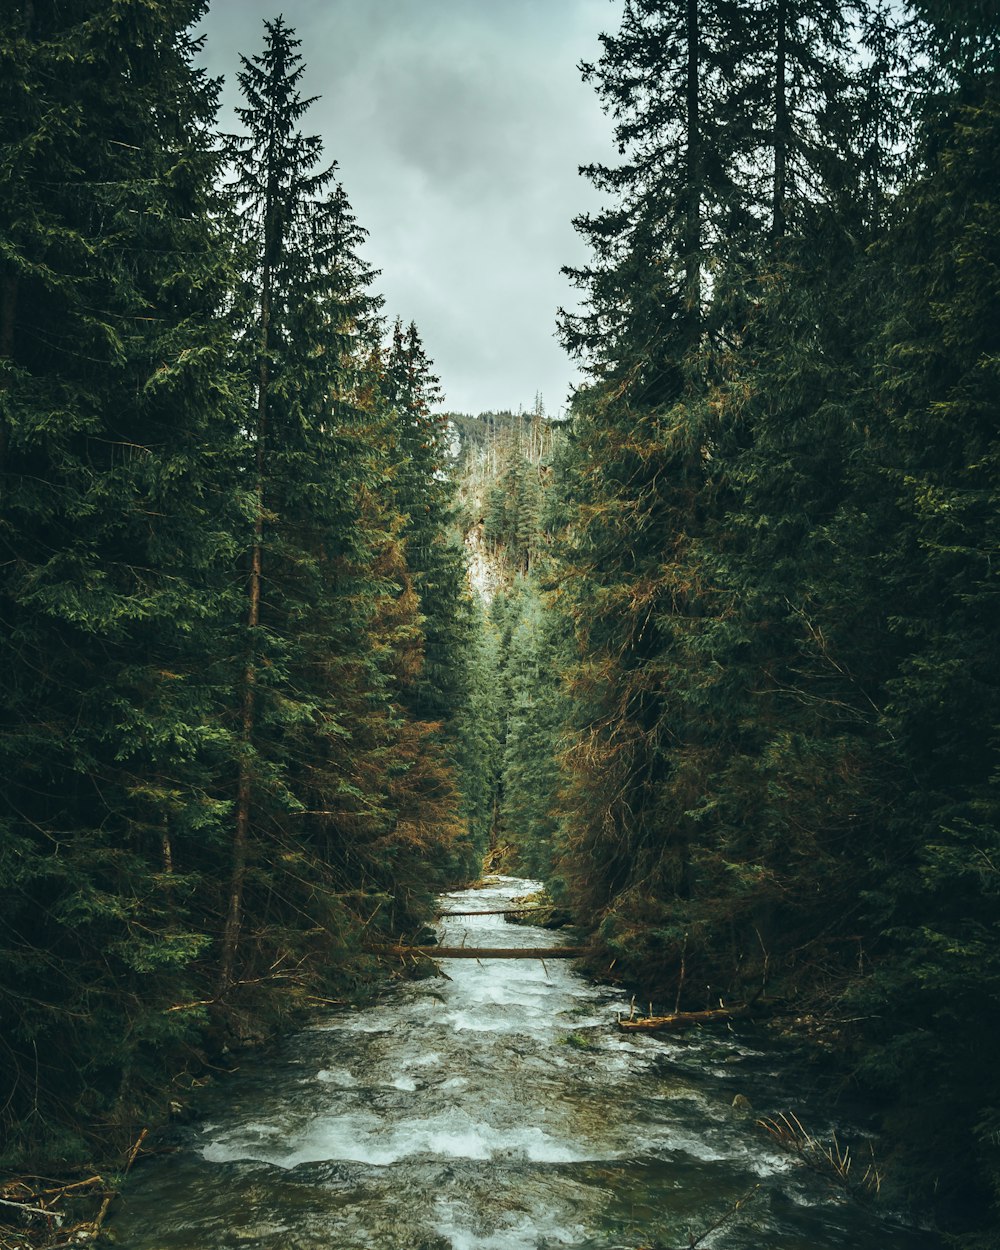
[(833, 1161)]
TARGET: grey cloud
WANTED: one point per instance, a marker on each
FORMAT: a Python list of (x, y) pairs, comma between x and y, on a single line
[(458, 126)]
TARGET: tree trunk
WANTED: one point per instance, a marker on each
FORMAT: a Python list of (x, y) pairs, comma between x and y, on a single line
[(692, 245), (166, 847), (8, 314), (503, 911), (9, 291), (780, 189), (244, 791)]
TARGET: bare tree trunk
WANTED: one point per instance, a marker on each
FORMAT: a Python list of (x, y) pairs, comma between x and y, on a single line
[(692, 244), (8, 317), (244, 790), (780, 189), (9, 290), (485, 952), (168, 850)]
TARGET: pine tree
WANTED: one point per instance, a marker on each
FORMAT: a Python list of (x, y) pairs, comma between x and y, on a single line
[(789, 794), (713, 688), (425, 493), (665, 78), (640, 439), (343, 795), (312, 588)]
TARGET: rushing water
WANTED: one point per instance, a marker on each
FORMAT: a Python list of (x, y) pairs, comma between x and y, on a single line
[(499, 1109)]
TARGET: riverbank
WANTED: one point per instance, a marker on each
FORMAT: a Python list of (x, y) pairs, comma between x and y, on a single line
[(53, 1202)]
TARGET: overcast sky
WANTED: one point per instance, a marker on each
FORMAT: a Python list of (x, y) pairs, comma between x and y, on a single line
[(458, 126)]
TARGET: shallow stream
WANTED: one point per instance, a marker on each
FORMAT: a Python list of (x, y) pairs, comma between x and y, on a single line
[(500, 1109)]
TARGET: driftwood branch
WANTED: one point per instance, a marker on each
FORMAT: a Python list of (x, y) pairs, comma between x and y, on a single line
[(832, 1161), (26, 1210)]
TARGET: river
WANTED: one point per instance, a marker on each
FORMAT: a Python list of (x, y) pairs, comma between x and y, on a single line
[(500, 1109)]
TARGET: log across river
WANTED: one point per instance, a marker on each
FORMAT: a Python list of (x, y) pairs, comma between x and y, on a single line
[(485, 952), (502, 1109)]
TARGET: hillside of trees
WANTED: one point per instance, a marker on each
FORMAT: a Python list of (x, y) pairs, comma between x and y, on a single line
[(506, 468)]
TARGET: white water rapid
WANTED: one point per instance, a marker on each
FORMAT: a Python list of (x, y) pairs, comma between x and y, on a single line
[(499, 1109)]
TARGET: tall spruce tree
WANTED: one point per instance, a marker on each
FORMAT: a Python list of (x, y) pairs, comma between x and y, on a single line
[(704, 513), (665, 77), (789, 796), (280, 197), (425, 493)]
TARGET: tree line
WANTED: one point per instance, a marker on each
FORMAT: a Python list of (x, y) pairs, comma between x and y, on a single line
[(775, 555), (235, 625)]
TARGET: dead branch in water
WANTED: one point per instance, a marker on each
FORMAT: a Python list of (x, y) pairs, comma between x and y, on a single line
[(694, 1241), (48, 1204), (735, 1209)]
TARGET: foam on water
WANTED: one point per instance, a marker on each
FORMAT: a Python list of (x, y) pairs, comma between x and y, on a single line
[(517, 1233), (340, 1077), (360, 1138), (497, 1110)]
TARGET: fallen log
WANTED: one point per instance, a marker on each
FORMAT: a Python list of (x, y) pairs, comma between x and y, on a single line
[(504, 911), (678, 1020), (485, 952)]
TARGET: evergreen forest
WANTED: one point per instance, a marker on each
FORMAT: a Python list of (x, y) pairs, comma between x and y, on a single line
[(287, 648)]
